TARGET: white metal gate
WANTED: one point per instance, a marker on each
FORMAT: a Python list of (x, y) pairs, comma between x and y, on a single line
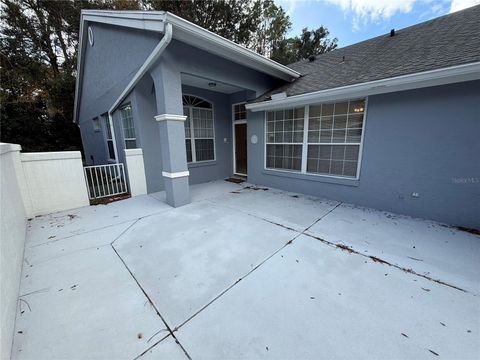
[(105, 180)]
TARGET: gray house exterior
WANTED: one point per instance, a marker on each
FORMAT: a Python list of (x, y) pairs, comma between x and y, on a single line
[(391, 123)]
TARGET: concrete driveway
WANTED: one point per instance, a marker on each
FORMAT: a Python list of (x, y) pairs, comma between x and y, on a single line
[(246, 272)]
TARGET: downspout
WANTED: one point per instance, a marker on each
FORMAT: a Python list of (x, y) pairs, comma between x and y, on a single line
[(155, 54)]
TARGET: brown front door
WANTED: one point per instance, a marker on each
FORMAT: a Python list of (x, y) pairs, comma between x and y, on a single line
[(241, 149)]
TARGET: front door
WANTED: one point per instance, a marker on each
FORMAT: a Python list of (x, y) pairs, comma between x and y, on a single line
[(241, 149)]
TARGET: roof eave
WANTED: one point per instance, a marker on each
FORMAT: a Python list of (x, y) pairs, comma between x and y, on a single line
[(449, 75), (195, 35)]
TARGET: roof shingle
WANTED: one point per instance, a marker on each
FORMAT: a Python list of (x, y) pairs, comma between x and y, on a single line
[(446, 41)]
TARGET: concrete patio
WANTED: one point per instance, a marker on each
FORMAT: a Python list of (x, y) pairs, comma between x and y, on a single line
[(246, 272)]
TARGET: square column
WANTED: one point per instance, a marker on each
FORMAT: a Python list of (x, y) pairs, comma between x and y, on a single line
[(174, 158), (171, 126)]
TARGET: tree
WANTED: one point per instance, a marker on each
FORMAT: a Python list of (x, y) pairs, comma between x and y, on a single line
[(38, 60), (310, 42)]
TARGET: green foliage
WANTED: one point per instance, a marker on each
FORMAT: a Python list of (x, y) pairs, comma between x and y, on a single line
[(310, 42), (38, 55)]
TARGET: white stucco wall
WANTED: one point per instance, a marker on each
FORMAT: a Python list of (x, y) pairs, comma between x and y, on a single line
[(136, 171), (12, 240), (54, 181)]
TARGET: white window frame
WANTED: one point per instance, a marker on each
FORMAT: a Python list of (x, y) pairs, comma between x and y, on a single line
[(235, 122), (305, 144), (125, 139), (192, 133), (106, 119)]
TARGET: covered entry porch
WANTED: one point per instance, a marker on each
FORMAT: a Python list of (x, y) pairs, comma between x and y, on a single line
[(189, 112)]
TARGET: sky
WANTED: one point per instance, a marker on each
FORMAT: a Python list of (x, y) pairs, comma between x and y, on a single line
[(352, 21)]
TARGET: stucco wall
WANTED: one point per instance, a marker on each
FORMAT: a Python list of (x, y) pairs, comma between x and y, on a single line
[(12, 240), (109, 65), (54, 181), (424, 141)]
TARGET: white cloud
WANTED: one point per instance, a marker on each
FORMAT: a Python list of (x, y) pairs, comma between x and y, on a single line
[(365, 11), (462, 4), (288, 5)]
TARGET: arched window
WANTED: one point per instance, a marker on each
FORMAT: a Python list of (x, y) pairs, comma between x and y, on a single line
[(199, 129)]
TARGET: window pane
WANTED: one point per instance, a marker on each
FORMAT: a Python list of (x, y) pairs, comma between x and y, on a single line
[(314, 124), (326, 136), (188, 148), (338, 136), (341, 108), (355, 121), (351, 152), (111, 151), (340, 122), (96, 124), (327, 122), (108, 131), (287, 157), (354, 135), (327, 109), (357, 106), (339, 160), (313, 136), (204, 149), (194, 101), (315, 111), (186, 112), (127, 123), (350, 168), (239, 112), (285, 128), (130, 144)]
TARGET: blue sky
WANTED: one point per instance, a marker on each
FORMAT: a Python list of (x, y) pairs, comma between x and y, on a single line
[(352, 21)]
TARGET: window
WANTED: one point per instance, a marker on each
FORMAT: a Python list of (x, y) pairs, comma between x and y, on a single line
[(199, 133), (285, 139), (128, 127), (108, 137), (239, 112), (333, 138), (96, 124)]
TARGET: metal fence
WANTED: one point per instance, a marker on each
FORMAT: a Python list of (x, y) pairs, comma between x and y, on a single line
[(105, 180)]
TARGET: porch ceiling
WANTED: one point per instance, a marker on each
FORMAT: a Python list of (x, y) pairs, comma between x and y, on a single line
[(209, 84)]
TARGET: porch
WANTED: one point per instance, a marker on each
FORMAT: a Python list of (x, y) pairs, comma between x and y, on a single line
[(246, 272)]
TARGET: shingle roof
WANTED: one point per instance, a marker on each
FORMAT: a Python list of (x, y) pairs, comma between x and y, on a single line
[(446, 41)]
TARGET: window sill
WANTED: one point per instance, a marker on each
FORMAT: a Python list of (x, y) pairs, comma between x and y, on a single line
[(311, 177), (201, 163)]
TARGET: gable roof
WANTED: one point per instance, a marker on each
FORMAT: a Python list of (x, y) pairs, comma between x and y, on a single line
[(184, 31), (444, 42)]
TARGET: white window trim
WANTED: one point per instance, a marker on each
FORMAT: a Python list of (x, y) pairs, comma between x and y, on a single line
[(106, 118), (236, 122), (192, 134), (305, 144), (125, 139)]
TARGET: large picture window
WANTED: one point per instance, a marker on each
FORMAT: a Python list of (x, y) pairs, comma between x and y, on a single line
[(325, 142), (128, 127), (199, 129)]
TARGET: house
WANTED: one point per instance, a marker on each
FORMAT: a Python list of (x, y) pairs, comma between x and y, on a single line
[(391, 123)]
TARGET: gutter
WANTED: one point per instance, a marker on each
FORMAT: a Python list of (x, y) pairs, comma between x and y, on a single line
[(454, 74), (154, 55)]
